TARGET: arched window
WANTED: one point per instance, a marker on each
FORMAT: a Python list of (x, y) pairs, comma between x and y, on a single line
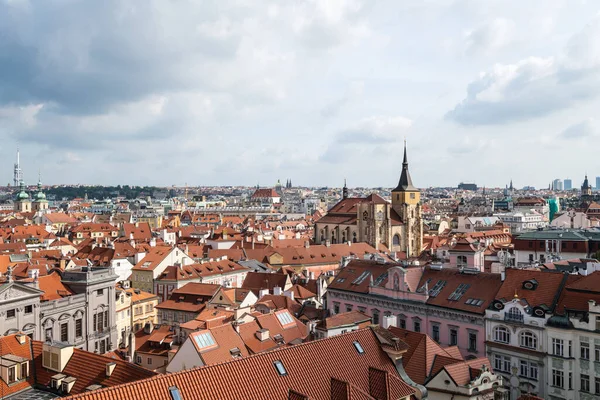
[(501, 334), (528, 339), (514, 314), (396, 240)]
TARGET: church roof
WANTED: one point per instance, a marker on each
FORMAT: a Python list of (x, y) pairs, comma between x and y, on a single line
[(405, 184)]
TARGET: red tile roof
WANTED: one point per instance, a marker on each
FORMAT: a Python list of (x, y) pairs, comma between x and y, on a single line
[(257, 378), (546, 294), (89, 369)]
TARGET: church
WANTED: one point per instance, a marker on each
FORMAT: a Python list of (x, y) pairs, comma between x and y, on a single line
[(397, 225)]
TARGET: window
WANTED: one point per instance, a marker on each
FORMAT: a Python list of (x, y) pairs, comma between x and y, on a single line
[(597, 353), (528, 369), (585, 351), (10, 313), (100, 292), (597, 385), (570, 380), (558, 378), (28, 309), (402, 323), (24, 373), (557, 347), (435, 333), (375, 316), (12, 376), (336, 308), (585, 383), (528, 340), (453, 336), (149, 361), (472, 341), (280, 368), (48, 334), (138, 359), (358, 347), (501, 334), (502, 363), (64, 332), (461, 261), (417, 326), (514, 314), (348, 307), (174, 392)]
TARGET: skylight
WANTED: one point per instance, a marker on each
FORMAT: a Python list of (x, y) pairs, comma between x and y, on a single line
[(175, 394), (285, 318), (204, 340), (280, 368), (437, 288), (358, 347), (460, 290), (361, 278)]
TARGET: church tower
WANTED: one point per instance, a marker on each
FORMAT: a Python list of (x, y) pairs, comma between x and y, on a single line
[(22, 201), (406, 202), (586, 190), (40, 203)]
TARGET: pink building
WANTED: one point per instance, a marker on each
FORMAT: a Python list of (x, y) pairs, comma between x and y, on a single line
[(447, 304)]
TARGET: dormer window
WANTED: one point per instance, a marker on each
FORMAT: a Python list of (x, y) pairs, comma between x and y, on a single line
[(531, 284)]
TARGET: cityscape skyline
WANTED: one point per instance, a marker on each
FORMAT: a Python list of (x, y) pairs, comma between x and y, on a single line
[(304, 106)]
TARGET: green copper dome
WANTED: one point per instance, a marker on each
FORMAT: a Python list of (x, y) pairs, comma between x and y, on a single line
[(40, 196), (22, 195)]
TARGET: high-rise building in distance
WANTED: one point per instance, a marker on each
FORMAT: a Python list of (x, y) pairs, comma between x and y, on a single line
[(598, 183), (568, 184), (557, 184)]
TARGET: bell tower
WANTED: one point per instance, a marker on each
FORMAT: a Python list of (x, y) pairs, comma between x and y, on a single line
[(406, 202)]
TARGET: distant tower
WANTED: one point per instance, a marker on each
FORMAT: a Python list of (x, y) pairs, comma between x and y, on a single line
[(345, 190), (406, 202), (17, 173), (40, 203), (22, 201), (511, 186), (586, 190)]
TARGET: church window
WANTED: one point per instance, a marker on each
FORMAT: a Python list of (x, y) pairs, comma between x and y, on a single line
[(396, 240)]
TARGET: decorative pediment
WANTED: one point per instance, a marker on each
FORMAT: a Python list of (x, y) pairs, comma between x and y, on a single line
[(12, 291)]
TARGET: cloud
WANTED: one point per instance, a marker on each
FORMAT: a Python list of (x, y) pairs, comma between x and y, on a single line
[(364, 135), (535, 86), (489, 37), (584, 129)]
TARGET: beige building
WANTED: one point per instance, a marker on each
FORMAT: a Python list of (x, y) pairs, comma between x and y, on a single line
[(398, 226), (154, 263)]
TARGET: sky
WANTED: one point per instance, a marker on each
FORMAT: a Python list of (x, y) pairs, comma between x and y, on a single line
[(245, 92)]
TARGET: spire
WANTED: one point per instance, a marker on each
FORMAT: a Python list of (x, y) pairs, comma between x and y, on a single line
[(405, 184), (345, 190)]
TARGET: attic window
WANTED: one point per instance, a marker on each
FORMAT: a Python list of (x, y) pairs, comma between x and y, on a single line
[(341, 280), (204, 340), (175, 394), (530, 284), (358, 347), (280, 368), (278, 339)]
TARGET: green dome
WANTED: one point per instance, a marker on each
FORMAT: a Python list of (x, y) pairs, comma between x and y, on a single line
[(22, 195), (40, 196)]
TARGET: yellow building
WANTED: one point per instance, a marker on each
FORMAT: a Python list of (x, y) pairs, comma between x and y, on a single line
[(397, 226)]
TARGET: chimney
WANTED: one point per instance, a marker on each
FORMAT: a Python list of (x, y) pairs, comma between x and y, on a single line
[(387, 321), (110, 367), (327, 243), (277, 291), (263, 292), (307, 244), (153, 242), (262, 334), (289, 294)]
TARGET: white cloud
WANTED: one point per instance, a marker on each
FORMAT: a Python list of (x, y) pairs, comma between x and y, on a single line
[(489, 37), (585, 129)]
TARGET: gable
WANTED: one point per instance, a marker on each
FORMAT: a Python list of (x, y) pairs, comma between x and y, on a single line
[(12, 291)]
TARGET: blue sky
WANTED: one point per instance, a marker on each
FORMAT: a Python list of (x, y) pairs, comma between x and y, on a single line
[(241, 92)]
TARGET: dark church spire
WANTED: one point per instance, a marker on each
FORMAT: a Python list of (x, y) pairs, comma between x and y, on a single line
[(405, 183), (345, 190)]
